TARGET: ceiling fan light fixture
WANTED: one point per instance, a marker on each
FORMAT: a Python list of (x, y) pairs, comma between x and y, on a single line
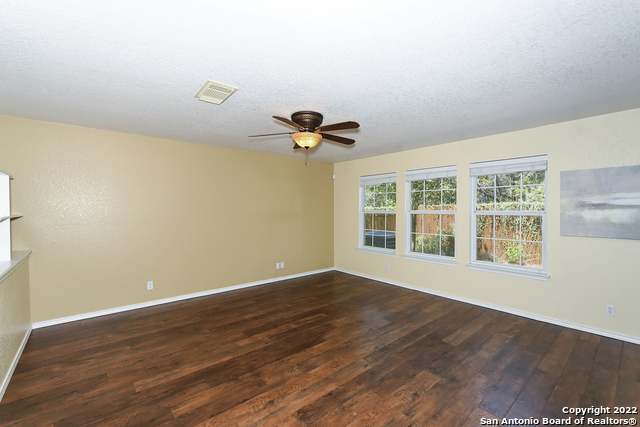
[(307, 139)]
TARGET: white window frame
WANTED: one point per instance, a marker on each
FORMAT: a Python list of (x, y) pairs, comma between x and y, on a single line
[(366, 181), (525, 164), (420, 175)]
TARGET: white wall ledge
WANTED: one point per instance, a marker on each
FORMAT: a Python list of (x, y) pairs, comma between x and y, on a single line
[(8, 267)]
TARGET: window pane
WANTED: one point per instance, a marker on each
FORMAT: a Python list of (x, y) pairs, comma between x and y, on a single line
[(486, 181), (431, 223), (532, 254), (391, 187), (508, 179), (417, 200), (416, 223), (533, 177), (508, 198), (432, 184), (507, 227), (378, 239), (419, 243), (432, 200), (391, 240), (448, 246), (508, 252), (379, 201), (532, 228), (391, 202), (417, 185), (368, 237), (484, 226), (381, 188), (484, 250), (378, 222), (368, 221), (415, 242), (533, 198), (448, 224), (391, 222), (383, 201), (431, 245), (449, 200), (368, 198), (485, 200), (449, 183)]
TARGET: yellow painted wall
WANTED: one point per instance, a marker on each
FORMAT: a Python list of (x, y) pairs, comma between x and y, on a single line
[(586, 273), (15, 319), (105, 212)]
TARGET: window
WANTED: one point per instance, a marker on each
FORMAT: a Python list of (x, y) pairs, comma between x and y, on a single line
[(508, 221), (378, 214), (431, 200)]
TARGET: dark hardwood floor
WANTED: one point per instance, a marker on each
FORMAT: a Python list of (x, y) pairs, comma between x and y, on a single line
[(325, 350)]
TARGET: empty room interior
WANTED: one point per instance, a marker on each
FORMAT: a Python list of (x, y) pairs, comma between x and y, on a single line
[(335, 214)]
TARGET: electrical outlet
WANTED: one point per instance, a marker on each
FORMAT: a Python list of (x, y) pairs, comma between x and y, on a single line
[(282, 264), (610, 310), (277, 265), (386, 267), (149, 286)]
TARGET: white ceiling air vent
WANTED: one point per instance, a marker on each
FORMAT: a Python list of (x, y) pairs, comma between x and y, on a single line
[(214, 92)]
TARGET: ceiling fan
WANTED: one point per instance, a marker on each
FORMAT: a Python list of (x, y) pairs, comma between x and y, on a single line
[(309, 129)]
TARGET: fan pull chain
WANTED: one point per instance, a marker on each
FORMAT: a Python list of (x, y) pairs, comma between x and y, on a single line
[(306, 152)]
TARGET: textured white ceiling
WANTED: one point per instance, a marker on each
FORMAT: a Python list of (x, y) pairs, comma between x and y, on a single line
[(412, 73)]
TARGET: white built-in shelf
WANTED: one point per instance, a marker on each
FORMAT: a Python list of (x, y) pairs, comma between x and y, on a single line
[(7, 267), (8, 260)]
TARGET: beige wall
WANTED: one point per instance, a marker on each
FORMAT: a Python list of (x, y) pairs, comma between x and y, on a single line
[(586, 273), (106, 212), (15, 318)]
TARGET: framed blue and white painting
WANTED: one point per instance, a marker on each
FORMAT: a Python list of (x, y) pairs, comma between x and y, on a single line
[(601, 203)]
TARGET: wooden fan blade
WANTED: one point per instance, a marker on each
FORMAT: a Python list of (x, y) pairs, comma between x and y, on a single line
[(296, 146), (269, 134), (338, 126), (289, 122), (336, 138)]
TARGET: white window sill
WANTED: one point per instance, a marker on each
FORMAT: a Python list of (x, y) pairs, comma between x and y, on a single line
[(378, 251), (436, 259), (525, 272)]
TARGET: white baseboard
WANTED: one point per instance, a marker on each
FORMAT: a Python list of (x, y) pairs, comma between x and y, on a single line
[(500, 308), (14, 363), (84, 316)]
